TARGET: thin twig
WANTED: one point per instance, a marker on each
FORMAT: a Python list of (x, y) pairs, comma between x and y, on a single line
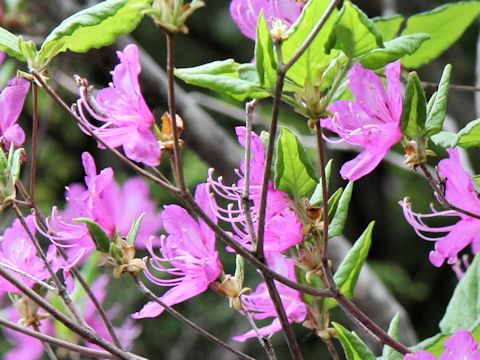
[(283, 318), (323, 177), (264, 341), (441, 196), (359, 317), (171, 109), (34, 157), (84, 332), (31, 277), (277, 98), (465, 88), (146, 291), (48, 349), (61, 288), (246, 201), (56, 341), (331, 349)]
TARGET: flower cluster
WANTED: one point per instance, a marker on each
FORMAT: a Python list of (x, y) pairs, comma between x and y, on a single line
[(459, 191), (282, 228), (461, 345), (102, 200)]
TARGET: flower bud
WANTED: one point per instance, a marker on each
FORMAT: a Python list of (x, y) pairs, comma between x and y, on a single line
[(171, 15)]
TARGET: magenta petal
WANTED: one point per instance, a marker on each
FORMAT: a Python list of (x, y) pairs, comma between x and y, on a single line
[(266, 331), (395, 91), (368, 90), (461, 235), (12, 99), (177, 294), (460, 189), (143, 146), (461, 345)]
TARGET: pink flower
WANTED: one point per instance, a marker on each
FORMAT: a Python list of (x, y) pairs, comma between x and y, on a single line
[(245, 13), (190, 250), (260, 305), (128, 121), (115, 208), (18, 253), (282, 228), (12, 99), (372, 121), (460, 346), (460, 191)]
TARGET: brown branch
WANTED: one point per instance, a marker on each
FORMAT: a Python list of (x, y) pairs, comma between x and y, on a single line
[(172, 110), (56, 341)]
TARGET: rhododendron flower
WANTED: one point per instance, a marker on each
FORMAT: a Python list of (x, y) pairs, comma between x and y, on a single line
[(113, 207), (12, 99), (459, 191), (372, 121), (189, 248), (260, 305), (18, 253), (128, 121), (282, 228), (245, 13), (460, 346)]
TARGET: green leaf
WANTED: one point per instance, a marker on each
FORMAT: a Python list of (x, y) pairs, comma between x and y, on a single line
[(349, 269), (9, 43), (94, 27), (132, 234), (463, 310), (264, 56), (354, 347), (317, 197), (333, 202), (389, 353), (444, 24), (314, 57), (338, 222), (394, 50), (388, 27), (415, 108), (225, 77), (444, 139), (354, 33), (293, 171), (437, 109), (468, 137), (476, 178), (99, 236)]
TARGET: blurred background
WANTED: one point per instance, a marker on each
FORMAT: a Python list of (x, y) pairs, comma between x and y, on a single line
[(398, 258)]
